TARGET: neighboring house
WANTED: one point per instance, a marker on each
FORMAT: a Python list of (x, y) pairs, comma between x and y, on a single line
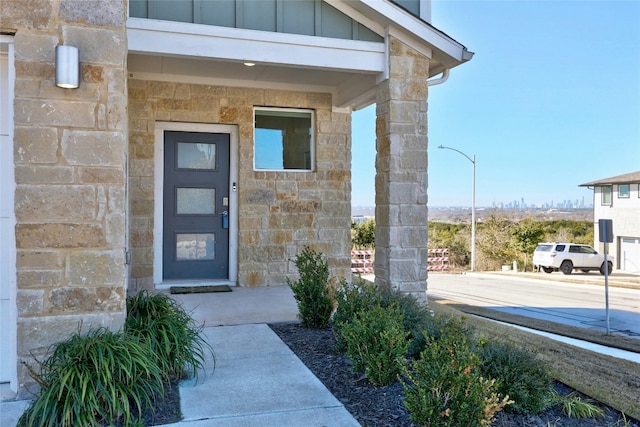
[(207, 142), (618, 199)]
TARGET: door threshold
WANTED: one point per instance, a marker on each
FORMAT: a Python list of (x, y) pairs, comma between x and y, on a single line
[(167, 284)]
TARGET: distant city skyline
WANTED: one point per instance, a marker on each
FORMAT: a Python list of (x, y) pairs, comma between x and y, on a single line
[(550, 100), (517, 204)]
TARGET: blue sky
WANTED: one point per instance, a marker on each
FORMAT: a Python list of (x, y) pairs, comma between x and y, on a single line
[(550, 100)]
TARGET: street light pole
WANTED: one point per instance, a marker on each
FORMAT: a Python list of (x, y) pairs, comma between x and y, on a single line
[(473, 204)]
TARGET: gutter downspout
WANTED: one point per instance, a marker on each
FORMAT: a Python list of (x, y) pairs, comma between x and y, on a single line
[(439, 80)]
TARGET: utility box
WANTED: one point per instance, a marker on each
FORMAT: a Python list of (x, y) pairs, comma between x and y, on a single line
[(605, 230)]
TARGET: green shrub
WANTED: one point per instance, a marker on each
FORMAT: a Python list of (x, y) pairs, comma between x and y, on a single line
[(97, 379), (352, 299), (432, 327), (377, 343), (312, 290), (518, 374), (162, 323), (417, 319), (445, 388)]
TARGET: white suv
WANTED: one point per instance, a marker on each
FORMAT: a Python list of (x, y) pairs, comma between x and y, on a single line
[(566, 257)]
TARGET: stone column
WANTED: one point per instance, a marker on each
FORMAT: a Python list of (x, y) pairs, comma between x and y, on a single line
[(401, 173), (70, 168)]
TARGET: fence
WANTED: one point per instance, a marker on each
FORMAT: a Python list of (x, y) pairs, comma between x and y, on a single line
[(438, 259), (362, 262)]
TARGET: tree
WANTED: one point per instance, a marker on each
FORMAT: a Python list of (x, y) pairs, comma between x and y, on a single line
[(526, 235), (494, 244), (455, 237), (363, 235)]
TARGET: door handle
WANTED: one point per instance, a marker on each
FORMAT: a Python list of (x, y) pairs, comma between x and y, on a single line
[(225, 219)]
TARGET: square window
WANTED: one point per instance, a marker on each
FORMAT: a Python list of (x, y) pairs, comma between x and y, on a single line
[(283, 139), (623, 191), (196, 156), (606, 196)]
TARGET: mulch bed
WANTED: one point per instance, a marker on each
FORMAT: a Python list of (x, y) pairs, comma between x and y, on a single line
[(377, 406), (382, 406), (167, 410)]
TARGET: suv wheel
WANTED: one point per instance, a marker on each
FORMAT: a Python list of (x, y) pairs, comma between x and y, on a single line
[(609, 265), (547, 269), (566, 267)]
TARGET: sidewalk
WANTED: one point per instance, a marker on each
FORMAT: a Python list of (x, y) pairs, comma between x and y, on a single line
[(258, 381)]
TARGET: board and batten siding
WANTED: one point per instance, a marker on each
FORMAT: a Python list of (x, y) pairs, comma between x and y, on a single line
[(306, 17)]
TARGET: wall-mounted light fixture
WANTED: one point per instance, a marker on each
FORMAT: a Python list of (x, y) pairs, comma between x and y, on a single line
[(67, 67)]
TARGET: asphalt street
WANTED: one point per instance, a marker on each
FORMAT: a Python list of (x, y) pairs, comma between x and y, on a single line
[(575, 304)]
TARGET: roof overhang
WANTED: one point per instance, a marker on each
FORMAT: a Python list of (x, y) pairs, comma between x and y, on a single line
[(348, 69), (385, 17), (627, 178)]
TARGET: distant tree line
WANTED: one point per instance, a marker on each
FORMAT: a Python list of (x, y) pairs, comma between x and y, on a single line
[(500, 240)]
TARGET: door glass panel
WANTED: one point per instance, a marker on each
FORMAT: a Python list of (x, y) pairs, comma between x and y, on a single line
[(199, 246), (196, 201), (193, 155)]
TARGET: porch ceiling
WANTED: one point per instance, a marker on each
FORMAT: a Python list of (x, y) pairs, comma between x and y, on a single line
[(356, 89), (174, 51)]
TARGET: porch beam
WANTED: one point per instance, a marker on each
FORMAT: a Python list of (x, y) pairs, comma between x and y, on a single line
[(180, 39)]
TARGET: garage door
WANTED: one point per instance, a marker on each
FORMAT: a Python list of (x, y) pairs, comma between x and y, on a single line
[(630, 254)]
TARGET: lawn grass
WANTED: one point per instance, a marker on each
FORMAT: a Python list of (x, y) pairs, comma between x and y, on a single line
[(614, 382)]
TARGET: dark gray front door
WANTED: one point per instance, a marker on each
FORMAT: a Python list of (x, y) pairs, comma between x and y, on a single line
[(196, 205)]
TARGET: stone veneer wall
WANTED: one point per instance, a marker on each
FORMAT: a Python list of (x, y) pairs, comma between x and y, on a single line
[(279, 212), (69, 153), (401, 173)]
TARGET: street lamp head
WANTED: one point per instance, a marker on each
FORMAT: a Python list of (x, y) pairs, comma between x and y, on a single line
[(440, 146)]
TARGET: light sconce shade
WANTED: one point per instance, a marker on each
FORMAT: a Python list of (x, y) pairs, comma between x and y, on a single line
[(67, 67)]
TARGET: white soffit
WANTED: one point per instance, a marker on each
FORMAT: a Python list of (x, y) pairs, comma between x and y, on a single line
[(148, 36)]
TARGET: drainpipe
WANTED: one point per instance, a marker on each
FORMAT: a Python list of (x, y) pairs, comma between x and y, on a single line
[(439, 80)]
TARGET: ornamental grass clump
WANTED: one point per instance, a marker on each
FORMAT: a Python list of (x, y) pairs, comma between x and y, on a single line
[(101, 378), (312, 290), (575, 406), (376, 343), (171, 333), (444, 387)]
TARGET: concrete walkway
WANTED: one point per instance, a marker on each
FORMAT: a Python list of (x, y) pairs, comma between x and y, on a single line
[(258, 381)]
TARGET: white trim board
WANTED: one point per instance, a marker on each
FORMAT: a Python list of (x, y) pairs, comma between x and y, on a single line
[(9, 187)]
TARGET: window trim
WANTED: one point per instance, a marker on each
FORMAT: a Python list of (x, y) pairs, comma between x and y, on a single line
[(602, 195), (312, 142), (622, 195)]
